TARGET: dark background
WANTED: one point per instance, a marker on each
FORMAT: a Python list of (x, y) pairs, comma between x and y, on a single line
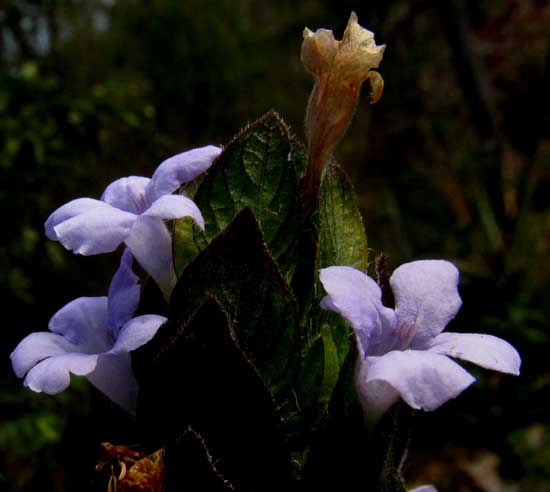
[(453, 162)]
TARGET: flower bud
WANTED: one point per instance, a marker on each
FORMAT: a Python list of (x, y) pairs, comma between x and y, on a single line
[(339, 69)]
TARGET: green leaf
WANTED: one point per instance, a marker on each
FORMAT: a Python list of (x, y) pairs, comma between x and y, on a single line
[(202, 379), (237, 269), (259, 169), (343, 451), (342, 238), (331, 367), (187, 242), (341, 241), (187, 238)]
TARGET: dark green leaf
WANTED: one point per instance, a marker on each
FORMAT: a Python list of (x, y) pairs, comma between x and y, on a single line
[(337, 454), (201, 379), (345, 452), (237, 269), (259, 169), (391, 439), (190, 465)]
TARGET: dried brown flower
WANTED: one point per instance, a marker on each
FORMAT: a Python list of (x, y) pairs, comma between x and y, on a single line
[(339, 69), (132, 471)]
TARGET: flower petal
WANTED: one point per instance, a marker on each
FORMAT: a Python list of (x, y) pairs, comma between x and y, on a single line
[(84, 323), (357, 297), (99, 230), (179, 169), (174, 207), (423, 379), (137, 332), (68, 211), (377, 396), (127, 194), (151, 244), (114, 377), (424, 488), (426, 296), (53, 375), (36, 347), (484, 350), (318, 50), (357, 53), (124, 293)]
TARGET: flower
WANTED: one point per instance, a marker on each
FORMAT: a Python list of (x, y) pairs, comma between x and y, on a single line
[(403, 352), (133, 210), (339, 69), (350, 61), (92, 337)]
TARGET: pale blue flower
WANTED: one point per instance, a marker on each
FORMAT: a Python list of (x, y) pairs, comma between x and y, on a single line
[(133, 210), (92, 337), (403, 352)]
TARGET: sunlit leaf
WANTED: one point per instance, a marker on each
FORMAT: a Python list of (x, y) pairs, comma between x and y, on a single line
[(258, 169)]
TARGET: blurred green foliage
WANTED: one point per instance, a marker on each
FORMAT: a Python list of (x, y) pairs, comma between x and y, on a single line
[(453, 162)]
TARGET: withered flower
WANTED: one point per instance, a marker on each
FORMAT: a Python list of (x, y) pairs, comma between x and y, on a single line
[(339, 68), (131, 470)]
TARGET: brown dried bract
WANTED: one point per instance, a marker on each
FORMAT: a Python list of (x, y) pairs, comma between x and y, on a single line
[(131, 470)]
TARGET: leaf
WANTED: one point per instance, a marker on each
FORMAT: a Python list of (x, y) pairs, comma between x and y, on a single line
[(186, 236), (391, 439), (329, 354), (187, 242), (345, 452), (331, 366), (341, 241), (259, 169), (190, 465), (336, 458), (237, 269), (201, 379), (342, 238)]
